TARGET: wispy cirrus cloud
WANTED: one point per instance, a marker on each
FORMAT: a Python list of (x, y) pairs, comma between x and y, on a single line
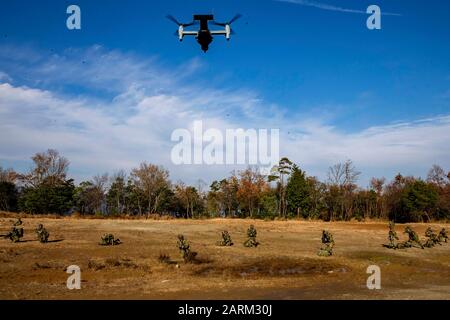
[(134, 121), (324, 6)]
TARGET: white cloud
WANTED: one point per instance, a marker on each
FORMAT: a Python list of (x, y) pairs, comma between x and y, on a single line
[(324, 6), (412, 147), (4, 77), (136, 122)]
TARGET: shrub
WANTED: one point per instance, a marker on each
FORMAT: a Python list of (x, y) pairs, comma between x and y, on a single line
[(164, 258), (418, 202), (47, 199), (8, 196)]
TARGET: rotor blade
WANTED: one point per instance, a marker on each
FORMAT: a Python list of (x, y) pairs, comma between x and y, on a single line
[(223, 24), (189, 24), (235, 18), (171, 18)]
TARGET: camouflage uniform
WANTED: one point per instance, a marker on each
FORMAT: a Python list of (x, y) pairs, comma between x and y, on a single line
[(433, 238), (413, 238), (108, 240), (392, 236), (226, 240), (251, 241), (15, 234), (42, 234), (185, 250), (443, 236), (327, 244)]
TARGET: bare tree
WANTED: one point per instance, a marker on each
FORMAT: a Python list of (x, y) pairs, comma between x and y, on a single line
[(98, 190), (437, 176), (154, 182), (8, 175), (343, 174), (201, 186), (377, 184), (342, 179), (100, 181), (188, 196), (116, 193), (49, 167)]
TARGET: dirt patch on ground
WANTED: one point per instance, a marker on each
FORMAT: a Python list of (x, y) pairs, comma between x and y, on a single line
[(272, 267), (148, 265)]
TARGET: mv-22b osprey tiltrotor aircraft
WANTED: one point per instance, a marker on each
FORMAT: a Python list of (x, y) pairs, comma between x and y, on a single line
[(204, 36)]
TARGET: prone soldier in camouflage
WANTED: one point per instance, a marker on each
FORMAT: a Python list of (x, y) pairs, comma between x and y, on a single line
[(226, 240), (392, 236), (413, 238), (251, 241), (443, 236), (185, 249), (109, 240), (327, 244), (42, 234), (433, 238)]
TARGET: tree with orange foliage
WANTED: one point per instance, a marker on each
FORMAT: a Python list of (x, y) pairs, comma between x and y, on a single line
[(252, 186)]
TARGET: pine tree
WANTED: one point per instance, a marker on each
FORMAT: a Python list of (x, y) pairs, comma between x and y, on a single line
[(298, 193)]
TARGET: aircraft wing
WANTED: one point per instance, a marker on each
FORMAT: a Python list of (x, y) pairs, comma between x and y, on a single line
[(218, 32), (190, 33)]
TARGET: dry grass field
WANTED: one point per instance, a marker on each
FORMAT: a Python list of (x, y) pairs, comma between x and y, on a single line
[(284, 266)]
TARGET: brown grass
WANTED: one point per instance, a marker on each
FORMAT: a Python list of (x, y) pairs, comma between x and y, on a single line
[(284, 266)]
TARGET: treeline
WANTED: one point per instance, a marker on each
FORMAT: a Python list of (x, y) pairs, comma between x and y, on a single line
[(287, 193)]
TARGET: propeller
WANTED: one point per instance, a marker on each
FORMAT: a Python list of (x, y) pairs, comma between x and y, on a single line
[(172, 18), (236, 17)]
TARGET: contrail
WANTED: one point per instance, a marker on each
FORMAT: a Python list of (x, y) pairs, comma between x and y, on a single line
[(329, 7)]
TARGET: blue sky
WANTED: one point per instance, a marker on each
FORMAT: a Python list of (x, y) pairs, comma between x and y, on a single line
[(114, 90)]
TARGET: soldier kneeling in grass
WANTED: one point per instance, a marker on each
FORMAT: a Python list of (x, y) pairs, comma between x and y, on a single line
[(15, 234), (109, 240), (392, 236), (443, 236), (433, 238), (185, 249), (226, 240), (251, 241), (42, 234), (327, 244), (413, 239)]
